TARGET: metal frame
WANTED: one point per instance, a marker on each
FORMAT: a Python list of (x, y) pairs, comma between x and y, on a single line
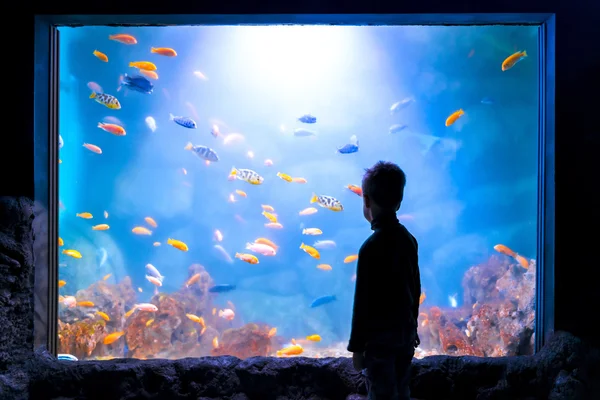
[(46, 123)]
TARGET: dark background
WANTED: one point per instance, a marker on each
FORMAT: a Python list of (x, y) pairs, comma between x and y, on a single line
[(577, 289)]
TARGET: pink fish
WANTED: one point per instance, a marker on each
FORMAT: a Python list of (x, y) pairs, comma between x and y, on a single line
[(227, 314), (94, 87), (146, 307), (261, 248)]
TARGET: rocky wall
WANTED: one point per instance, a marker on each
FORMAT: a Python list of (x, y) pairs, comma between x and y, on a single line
[(565, 369)]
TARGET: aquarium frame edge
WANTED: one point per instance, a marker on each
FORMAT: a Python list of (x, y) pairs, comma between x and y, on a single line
[(46, 80)]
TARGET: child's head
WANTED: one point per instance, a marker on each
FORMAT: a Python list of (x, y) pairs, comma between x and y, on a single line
[(383, 189)]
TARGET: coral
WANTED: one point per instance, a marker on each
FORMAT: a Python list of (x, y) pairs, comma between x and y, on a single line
[(248, 341), (80, 338)]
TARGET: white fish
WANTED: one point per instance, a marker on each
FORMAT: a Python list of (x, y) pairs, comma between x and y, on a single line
[(324, 244), (151, 123), (200, 75), (261, 248), (103, 254), (452, 300), (60, 142), (301, 132), (224, 253), (401, 105), (152, 271)]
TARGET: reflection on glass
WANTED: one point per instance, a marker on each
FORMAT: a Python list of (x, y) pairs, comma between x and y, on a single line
[(189, 157)]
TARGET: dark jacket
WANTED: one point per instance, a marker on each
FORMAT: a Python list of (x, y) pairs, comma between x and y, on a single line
[(388, 286)]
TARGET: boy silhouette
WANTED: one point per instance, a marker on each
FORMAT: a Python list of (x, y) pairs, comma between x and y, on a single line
[(388, 286)]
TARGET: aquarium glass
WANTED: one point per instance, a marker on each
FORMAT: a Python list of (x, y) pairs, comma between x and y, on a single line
[(182, 213)]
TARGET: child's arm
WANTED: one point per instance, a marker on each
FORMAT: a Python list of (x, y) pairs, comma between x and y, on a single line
[(359, 313), (417, 283)]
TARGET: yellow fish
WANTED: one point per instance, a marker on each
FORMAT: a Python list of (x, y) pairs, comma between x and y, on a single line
[(270, 217), (350, 258), (177, 244), (147, 65), (511, 60), (196, 319), (105, 277), (312, 231), (106, 100), (267, 207), (293, 350), (313, 338), (246, 175), (103, 315), (329, 202), (72, 253), (314, 253), (113, 337), (61, 242), (85, 215), (149, 322), (100, 227), (285, 177), (61, 283)]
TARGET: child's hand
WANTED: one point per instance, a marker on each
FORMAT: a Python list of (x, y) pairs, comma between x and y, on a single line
[(358, 360), (417, 341)]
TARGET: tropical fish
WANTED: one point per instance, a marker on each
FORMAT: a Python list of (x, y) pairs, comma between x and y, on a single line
[(307, 119), (85, 303), (103, 315), (260, 248), (101, 227), (500, 248), (115, 129), (61, 242), (137, 83), (511, 60), (163, 51), (422, 297), (355, 189), (267, 242), (101, 56), (222, 288), (246, 175), (311, 251), (312, 231), (322, 300), (113, 337), (328, 202), (325, 267), (227, 314), (122, 38), (152, 271), (301, 132), (292, 350), (271, 217), (186, 122), (140, 230), (106, 100), (147, 65), (61, 283), (93, 148), (151, 123), (72, 253), (274, 225), (249, 258), (285, 177), (268, 162), (308, 211), (324, 244), (349, 148), (84, 215), (66, 357), (452, 300), (454, 117), (214, 131), (299, 180), (150, 221), (313, 338), (350, 258), (177, 244), (401, 105), (61, 143), (101, 256), (193, 279), (197, 319), (267, 207), (205, 153), (397, 128), (148, 74)]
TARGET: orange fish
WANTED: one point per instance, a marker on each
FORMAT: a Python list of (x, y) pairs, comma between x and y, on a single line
[(101, 227), (241, 193), (85, 303), (196, 319), (267, 207), (523, 261), (299, 180), (454, 117), (147, 65), (355, 189), (61, 242), (105, 277), (422, 297), (267, 242), (154, 281), (511, 60), (149, 74), (61, 283), (150, 221), (140, 230), (101, 56), (350, 258), (249, 258), (113, 337), (93, 148), (163, 51), (103, 315), (215, 342), (311, 251), (325, 267), (500, 248), (177, 244), (214, 311), (72, 253), (274, 225), (308, 211), (122, 38), (115, 129), (272, 332), (85, 215), (195, 278), (292, 350)]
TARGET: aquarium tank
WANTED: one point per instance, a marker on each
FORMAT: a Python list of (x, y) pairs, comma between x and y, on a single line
[(210, 198)]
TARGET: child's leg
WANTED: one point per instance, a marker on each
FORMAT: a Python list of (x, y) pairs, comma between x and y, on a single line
[(403, 366), (380, 372)]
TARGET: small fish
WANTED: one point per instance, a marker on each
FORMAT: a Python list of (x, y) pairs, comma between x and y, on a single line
[(322, 300), (224, 254), (178, 244), (200, 75), (246, 175), (222, 288), (105, 277), (324, 244), (186, 122), (307, 119), (454, 117), (274, 225), (301, 132), (311, 251), (349, 148), (422, 297), (249, 258), (151, 123), (164, 51), (146, 307), (193, 279), (215, 131), (267, 242), (140, 230), (328, 202), (227, 314), (105, 214), (241, 193), (308, 211), (205, 153), (196, 319), (154, 281), (452, 300), (147, 65), (113, 337), (61, 143), (151, 270), (101, 227), (93, 148), (103, 315), (522, 261), (285, 177), (312, 231), (325, 267), (84, 215), (260, 248), (268, 162), (500, 248), (487, 101), (156, 244), (292, 350), (355, 189), (66, 357), (149, 322), (94, 87), (271, 217), (313, 338), (267, 207), (106, 100), (85, 303), (272, 332), (102, 256), (401, 105), (61, 242), (61, 283), (350, 258), (101, 56), (148, 74), (299, 180), (72, 253), (397, 128), (511, 60), (150, 221), (122, 38), (136, 83)]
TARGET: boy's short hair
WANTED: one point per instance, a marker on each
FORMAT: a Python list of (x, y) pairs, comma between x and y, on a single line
[(384, 184)]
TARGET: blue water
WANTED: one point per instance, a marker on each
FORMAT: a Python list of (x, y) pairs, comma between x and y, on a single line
[(469, 186)]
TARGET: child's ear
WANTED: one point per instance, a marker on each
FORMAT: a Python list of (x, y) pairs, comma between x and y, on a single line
[(367, 201)]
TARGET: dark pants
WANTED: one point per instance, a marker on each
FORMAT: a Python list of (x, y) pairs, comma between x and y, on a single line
[(388, 373)]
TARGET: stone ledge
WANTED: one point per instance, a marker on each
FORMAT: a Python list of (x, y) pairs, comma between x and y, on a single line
[(562, 370)]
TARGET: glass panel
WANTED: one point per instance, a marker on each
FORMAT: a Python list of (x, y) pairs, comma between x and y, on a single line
[(187, 183)]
